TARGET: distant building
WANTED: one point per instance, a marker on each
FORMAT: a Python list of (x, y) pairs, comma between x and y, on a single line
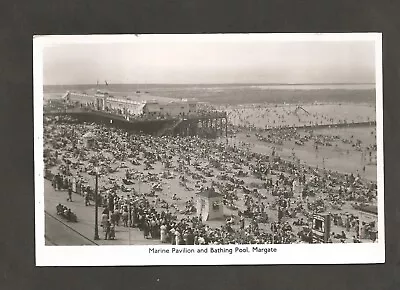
[(81, 98), (151, 109), (170, 109), (103, 101)]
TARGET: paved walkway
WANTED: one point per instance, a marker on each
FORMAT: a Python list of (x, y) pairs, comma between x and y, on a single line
[(59, 233), (85, 224)]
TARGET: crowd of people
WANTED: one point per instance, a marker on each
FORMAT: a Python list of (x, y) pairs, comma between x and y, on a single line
[(66, 213), (267, 199)]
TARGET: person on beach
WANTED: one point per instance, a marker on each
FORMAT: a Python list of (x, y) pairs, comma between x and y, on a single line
[(87, 199), (57, 182), (54, 182), (242, 223), (112, 232), (125, 217), (107, 227), (65, 183), (347, 223), (69, 194), (146, 229), (163, 233), (172, 236), (104, 219)]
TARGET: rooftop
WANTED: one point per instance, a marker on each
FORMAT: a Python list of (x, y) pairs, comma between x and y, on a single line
[(89, 135), (210, 193)]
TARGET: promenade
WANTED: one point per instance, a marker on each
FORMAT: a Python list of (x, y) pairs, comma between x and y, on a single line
[(60, 233)]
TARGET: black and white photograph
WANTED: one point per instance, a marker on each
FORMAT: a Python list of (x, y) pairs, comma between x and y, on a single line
[(208, 149)]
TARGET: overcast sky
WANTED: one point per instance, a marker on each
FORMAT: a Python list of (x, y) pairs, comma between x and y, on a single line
[(210, 62)]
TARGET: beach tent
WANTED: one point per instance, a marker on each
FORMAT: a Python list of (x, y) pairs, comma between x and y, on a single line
[(209, 205), (88, 139)]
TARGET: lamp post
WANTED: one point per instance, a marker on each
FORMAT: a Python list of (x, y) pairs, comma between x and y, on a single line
[(96, 225), (129, 213), (130, 220), (129, 225)]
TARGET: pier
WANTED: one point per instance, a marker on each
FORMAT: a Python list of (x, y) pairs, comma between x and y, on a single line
[(205, 124)]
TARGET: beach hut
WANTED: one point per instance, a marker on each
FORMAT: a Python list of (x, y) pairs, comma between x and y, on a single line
[(89, 139), (209, 205)]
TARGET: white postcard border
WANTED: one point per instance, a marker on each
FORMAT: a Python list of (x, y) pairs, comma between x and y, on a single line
[(140, 255)]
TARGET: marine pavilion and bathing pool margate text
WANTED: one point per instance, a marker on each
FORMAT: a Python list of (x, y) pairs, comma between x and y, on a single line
[(209, 149), (213, 250)]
